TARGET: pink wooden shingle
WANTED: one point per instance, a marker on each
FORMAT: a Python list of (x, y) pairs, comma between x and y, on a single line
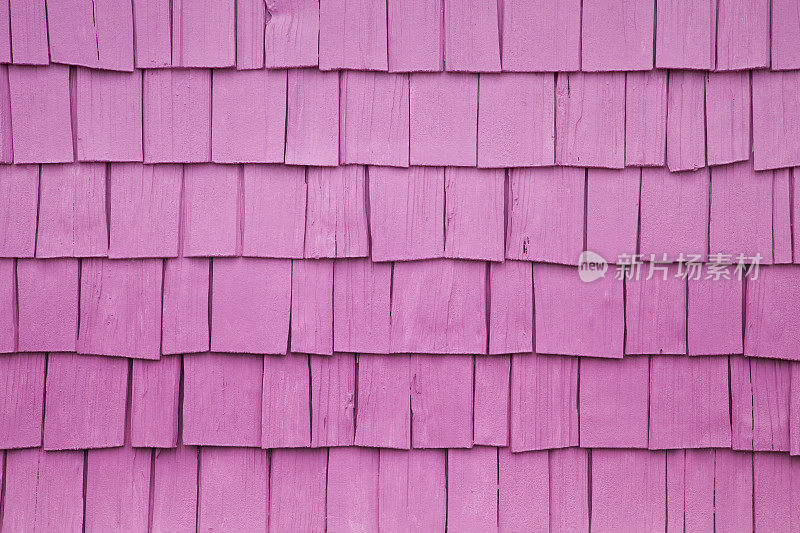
[(30, 45), (794, 409), (145, 210), (177, 115), (474, 211), (785, 31), (203, 33), (760, 402), (155, 402), (8, 306), (590, 119), (40, 114), (250, 305), (412, 490), (152, 33), (782, 212), (174, 482), (510, 307), (374, 113), (108, 111), (72, 211), (47, 292), (352, 495), (291, 38), (361, 306), (333, 396), (741, 211), (222, 399), (690, 490), (776, 119), (274, 211), (312, 306), (617, 35), (686, 130), (540, 35), (250, 22), (19, 192), (686, 34), (444, 118), (117, 489), (771, 313), (574, 317), (646, 118), (212, 204), (86, 397), (312, 123), (43, 489), (741, 403), (121, 308), (569, 489), (233, 489), (5, 41), (439, 307), (545, 214), (491, 400), (286, 409), (384, 401), (248, 116), (689, 402), (614, 402), (441, 400), (544, 408), (336, 215), (655, 311), (297, 477), (523, 491), (415, 35), (733, 489), (21, 399), (516, 120), (714, 316), (471, 36), (776, 486), (406, 213), (472, 489), (184, 319), (353, 35), (612, 211), (92, 33), (6, 141), (728, 117), (674, 214), (742, 34)]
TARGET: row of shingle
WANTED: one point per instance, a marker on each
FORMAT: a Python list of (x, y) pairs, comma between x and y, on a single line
[(425, 35), (686, 119), (145, 308), (347, 489), (525, 401), (547, 214)]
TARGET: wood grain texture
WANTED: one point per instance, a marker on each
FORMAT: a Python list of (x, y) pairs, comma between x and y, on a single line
[(155, 402), (714, 316), (771, 315), (19, 190), (203, 33), (333, 398), (540, 35), (177, 115), (794, 409), (312, 306), (72, 210), (784, 32), (353, 35), (775, 492), (416, 41), (472, 489), (655, 312), (174, 483), (689, 402), (742, 34), (362, 306), (374, 115), (760, 401), (544, 402), (312, 122), (439, 306), (297, 490), (614, 398), (353, 488), (86, 396), (492, 398), (9, 332), (6, 141), (117, 489), (47, 299), (441, 401), (474, 213), (145, 210), (569, 489), (222, 397), (617, 35), (121, 308), (471, 36), (250, 305), (406, 208), (782, 212), (612, 212), (646, 118), (546, 214), (733, 489), (727, 117), (523, 491), (776, 115), (21, 399), (690, 490), (686, 34), (251, 19), (577, 318), (412, 490), (212, 208), (686, 132), (286, 405), (590, 119), (510, 307), (185, 316), (152, 33), (516, 119), (291, 38), (30, 44), (383, 402)]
